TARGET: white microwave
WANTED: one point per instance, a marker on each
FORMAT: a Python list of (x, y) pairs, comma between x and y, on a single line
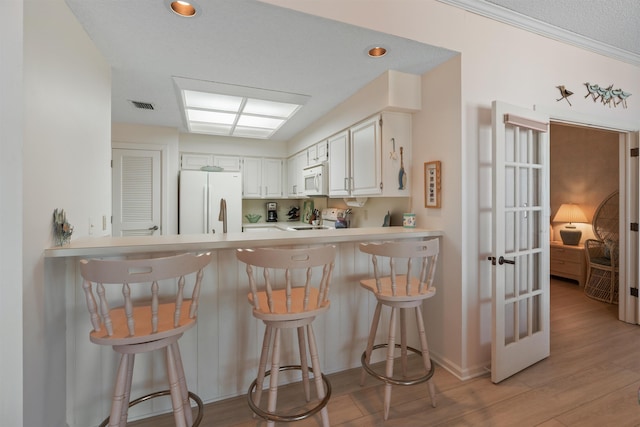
[(316, 180)]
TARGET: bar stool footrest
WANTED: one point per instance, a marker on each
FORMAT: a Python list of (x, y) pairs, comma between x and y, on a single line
[(272, 416), (192, 396), (392, 380)]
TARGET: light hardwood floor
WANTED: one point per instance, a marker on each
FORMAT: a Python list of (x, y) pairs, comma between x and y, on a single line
[(590, 379)]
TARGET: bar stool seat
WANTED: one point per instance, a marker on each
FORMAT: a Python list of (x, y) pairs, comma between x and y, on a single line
[(294, 290), (150, 313), (400, 292)]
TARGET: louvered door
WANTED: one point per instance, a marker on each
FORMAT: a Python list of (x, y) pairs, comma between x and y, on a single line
[(136, 192)]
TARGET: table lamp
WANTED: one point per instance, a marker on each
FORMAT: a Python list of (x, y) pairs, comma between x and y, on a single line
[(570, 213)]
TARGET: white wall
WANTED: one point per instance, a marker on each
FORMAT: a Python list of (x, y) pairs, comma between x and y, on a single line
[(198, 143), (11, 140), (498, 62), (165, 139), (437, 135), (66, 153)]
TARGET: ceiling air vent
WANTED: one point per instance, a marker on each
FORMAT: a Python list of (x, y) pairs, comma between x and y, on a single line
[(142, 105)]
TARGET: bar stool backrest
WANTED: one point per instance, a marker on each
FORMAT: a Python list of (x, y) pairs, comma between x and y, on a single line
[(141, 308), (289, 283), (424, 252)]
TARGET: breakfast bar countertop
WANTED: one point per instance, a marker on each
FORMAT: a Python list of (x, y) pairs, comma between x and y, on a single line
[(114, 246)]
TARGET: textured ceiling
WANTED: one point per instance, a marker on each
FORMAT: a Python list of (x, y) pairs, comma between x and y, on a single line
[(249, 43), (613, 22)]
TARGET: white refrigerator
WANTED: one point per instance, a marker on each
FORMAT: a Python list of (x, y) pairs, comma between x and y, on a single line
[(199, 201)]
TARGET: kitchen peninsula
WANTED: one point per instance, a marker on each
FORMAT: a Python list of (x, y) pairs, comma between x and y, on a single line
[(220, 354)]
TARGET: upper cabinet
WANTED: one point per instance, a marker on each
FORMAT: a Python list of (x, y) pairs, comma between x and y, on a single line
[(365, 160), (366, 171), (317, 153), (261, 178), (195, 161), (339, 165), (295, 181), (228, 163)]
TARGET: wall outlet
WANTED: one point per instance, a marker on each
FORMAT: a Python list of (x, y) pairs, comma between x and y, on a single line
[(104, 222)]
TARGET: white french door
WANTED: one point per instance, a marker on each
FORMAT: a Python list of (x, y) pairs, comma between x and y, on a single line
[(520, 247)]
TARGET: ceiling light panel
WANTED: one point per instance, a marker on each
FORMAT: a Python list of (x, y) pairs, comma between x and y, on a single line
[(212, 101), (259, 122), (252, 132), (270, 108), (211, 116), (231, 110), (210, 128)]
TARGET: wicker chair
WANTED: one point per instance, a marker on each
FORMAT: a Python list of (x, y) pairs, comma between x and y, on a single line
[(602, 254)]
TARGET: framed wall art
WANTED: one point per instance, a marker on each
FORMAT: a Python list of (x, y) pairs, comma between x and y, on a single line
[(432, 184)]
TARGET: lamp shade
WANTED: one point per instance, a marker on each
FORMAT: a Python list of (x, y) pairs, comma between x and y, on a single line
[(570, 213)]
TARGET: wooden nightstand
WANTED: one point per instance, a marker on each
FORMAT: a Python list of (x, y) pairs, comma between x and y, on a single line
[(568, 261)]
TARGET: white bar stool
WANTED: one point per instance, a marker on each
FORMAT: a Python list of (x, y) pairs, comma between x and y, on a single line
[(146, 321), (294, 290), (400, 292)]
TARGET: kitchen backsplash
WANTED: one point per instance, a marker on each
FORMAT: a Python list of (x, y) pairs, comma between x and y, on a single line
[(370, 215)]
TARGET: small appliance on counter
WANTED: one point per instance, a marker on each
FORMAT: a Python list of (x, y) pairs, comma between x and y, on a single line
[(336, 218), (294, 213), (272, 212)]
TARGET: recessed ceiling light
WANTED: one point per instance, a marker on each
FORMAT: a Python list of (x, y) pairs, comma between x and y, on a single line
[(183, 8), (376, 52)]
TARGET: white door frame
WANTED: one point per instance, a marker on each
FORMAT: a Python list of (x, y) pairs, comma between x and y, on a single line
[(164, 150), (627, 306)]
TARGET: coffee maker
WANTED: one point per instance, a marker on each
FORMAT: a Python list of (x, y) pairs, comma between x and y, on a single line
[(272, 212)]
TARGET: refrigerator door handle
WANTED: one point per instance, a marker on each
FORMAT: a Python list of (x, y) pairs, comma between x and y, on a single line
[(210, 217), (205, 203)]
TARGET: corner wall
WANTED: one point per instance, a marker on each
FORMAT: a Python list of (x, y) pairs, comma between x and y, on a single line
[(66, 152), (11, 143), (437, 136)]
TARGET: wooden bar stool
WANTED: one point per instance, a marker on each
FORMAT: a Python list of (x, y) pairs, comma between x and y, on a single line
[(150, 313), (294, 290), (400, 292)]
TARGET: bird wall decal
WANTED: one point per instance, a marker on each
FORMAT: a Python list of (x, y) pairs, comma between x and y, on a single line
[(565, 94), (608, 96)]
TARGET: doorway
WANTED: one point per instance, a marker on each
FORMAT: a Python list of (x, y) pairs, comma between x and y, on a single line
[(584, 171)]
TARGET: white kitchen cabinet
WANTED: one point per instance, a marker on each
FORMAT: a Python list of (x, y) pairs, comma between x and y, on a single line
[(317, 153), (228, 163), (363, 162), (195, 161), (366, 168), (354, 160), (339, 165), (261, 178), (295, 181), (272, 177)]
